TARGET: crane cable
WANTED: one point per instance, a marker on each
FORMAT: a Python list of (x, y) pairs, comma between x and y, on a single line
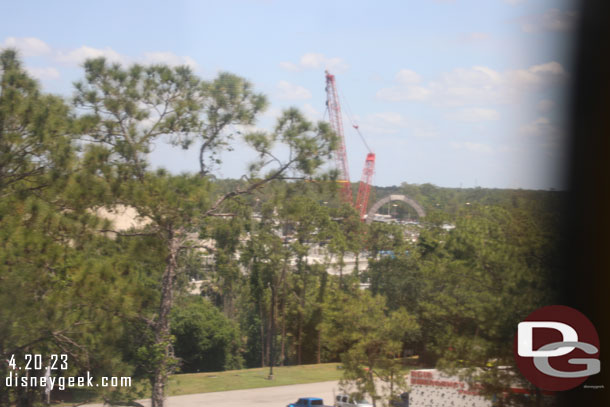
[(348, 112)]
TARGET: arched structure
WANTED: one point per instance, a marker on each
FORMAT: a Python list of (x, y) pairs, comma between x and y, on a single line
[(371, 214)]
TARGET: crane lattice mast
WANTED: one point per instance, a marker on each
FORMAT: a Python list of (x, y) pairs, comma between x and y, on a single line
[(336, 123)]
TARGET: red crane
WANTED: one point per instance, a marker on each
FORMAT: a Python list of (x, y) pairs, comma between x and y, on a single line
[(336, 123)]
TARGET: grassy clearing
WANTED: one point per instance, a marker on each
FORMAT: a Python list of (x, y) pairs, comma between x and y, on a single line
[(251, 378), (193, 383)]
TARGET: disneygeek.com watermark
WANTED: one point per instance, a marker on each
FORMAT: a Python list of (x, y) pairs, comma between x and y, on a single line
[(50, 382), (29, 370)]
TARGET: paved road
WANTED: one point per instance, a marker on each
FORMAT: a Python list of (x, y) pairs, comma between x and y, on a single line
[(278, 396)]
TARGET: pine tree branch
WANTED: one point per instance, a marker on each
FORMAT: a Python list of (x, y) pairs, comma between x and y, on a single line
[(127, 234), (275, 176)]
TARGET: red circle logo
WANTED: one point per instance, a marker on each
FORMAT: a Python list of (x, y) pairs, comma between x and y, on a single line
[(556, 348)]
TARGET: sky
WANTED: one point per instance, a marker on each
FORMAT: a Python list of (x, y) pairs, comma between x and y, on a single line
[(457, 93)]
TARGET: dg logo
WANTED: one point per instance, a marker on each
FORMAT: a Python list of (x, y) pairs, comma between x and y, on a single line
[(557, 348)]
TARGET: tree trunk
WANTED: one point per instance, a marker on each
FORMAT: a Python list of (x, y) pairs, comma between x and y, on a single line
[(227, 299), (262, 335), (272, 333), (283, 341), (162, 326), (372, 380), (283, 310), (319, 353), (321, 294), (268, 336), (299, 334), (300, 323), (341, 264)]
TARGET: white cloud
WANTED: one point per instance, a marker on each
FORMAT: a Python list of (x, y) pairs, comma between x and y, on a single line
[(474, 37), (30, 46), (476, 85), (79, 55), (474, 147), (311, 113), (391, 118), (391, 123), (27, 46), (537, 76), (552, 67), (272, 113), (475, 114), (289, 66), (407, 77), (551, 20), (545, 133), (545, 105), (403, 93), (248, 128), (407, 88), (287, 90), (382, 123), (313, 60), (43, 73), (557, 20), (424, 131), (168, 58), (540, 127)]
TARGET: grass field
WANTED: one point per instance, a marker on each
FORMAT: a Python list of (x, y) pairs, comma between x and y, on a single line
[(192, 383), (251, 378)]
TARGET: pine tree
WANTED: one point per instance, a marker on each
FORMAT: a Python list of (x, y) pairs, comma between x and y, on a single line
[(129, 109)]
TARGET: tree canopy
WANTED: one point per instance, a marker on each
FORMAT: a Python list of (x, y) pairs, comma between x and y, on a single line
[(269, 251)]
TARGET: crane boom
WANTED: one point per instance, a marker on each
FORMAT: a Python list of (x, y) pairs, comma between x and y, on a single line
[(336, 123)]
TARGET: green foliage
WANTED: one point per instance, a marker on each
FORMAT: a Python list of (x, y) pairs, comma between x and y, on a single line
[(384, 237), (444, 204), (35, 142), (62, 283), (127, 112), (230, 101), (308, 145), (205, 340), (399, 278), (470, 287), (71, 282), (370, 339), (494, 272)]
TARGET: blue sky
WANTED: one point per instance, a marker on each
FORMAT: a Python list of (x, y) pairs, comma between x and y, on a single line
[(455, 93)]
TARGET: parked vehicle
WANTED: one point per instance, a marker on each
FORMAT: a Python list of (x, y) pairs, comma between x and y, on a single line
[(402, 401), (308, 402), (343, 400)]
